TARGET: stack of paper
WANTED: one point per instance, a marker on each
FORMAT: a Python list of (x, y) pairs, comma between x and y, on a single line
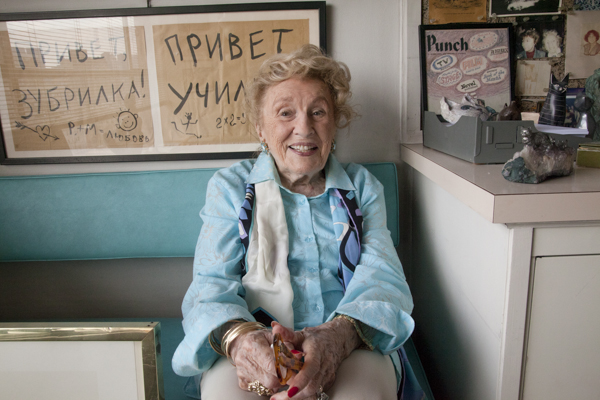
[(561, 130)]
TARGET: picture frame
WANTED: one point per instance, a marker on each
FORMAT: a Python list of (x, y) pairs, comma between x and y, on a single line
[(143, 84), (582, 49), (532, 77), (444, 12), (512, 8), (91, 360), (539, 37), (460, 59)]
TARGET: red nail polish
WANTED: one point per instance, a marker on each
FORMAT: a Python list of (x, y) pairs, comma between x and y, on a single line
[(292, 392), (295, 351)]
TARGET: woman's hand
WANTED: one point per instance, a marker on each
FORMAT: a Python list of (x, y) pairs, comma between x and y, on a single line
[(324, 348), (254, 359)]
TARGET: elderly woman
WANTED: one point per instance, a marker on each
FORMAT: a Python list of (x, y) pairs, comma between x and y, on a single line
[(298, 241), (551, 43)]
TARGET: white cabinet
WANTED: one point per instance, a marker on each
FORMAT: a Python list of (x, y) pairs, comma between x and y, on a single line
[(563, 336), (506, 280)]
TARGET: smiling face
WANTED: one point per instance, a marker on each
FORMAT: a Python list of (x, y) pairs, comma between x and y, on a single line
[(551, 44), (297, 123), (127, 120)]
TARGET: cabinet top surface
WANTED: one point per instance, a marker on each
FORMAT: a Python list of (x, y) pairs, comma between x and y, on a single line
[(483, 188)]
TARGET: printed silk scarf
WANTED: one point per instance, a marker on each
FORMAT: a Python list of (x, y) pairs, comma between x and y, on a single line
[(264, 234)]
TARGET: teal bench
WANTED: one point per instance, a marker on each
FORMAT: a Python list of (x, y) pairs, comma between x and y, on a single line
[(117, 217)]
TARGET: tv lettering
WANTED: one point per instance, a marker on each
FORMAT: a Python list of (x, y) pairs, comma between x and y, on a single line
[(443, 62)]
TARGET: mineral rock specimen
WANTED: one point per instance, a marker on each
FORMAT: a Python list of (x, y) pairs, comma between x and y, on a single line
[(540, 159)]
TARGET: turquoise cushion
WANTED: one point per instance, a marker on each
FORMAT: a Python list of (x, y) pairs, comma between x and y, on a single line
[(119, 215)]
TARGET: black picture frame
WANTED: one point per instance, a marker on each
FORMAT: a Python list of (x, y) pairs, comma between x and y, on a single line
[(503, 8), (488, 72), (314, 12)]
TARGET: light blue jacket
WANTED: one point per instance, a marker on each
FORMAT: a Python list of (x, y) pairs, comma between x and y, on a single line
[(378, 294)]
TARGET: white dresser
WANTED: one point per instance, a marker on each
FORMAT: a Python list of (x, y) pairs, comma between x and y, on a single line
[(506, 280)]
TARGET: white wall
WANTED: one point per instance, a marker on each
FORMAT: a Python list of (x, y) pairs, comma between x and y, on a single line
[(376, 38)]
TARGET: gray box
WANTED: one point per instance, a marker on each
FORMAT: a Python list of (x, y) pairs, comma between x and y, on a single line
[(481, 142)]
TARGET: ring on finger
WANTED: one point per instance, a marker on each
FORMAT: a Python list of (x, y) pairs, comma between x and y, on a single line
[(259, 389), (321, 395)]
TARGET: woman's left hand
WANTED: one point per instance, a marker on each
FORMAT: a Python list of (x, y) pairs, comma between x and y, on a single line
[(253, 357), (324, 347)]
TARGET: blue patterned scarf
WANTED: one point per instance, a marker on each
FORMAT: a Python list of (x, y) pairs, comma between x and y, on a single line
[(347, 225)]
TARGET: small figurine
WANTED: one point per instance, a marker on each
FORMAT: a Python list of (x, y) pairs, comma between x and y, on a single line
[(592, 90), (540, 159), (555, 106), (510, 113), (470, 107), (584, 104)]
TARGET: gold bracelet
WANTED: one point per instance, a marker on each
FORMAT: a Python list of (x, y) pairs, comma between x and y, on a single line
[(214, 343), (366, 343), (236, 331)]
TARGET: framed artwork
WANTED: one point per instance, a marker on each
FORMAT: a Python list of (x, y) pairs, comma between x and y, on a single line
[(539, 37), (583, 44), (140, 84), (72, 361), (460, 59), (444, 11), (533, 77), (511, 8)]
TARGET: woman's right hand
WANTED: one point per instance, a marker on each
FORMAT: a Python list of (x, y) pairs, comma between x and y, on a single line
[(254, 359)]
